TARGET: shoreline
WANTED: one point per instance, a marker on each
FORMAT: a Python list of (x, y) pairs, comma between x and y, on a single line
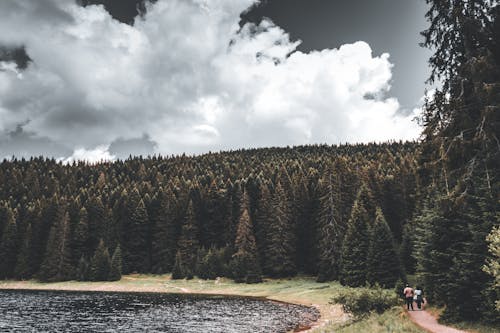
[(298, 291)]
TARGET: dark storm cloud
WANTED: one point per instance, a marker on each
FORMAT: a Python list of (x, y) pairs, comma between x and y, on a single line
[(16, 54), (25, 144), (123, 148), (123, 10)]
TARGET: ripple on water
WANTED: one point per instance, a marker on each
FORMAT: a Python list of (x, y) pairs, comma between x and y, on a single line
[(51, 311)]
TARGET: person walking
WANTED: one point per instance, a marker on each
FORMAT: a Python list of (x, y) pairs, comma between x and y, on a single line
[(408, 292), (419, 297)]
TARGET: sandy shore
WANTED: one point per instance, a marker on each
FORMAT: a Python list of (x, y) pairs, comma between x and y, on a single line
[(302, 291)]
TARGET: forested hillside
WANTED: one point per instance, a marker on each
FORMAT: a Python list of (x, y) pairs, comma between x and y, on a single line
[(273, 212)]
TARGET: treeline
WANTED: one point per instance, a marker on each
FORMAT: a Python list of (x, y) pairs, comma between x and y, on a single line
[(338, 212)]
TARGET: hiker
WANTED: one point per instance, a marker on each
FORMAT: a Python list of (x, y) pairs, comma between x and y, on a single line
[(419, 297), (408, 292)]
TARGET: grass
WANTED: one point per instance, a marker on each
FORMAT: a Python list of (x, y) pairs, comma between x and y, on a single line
[(393, 320), (467, 326)]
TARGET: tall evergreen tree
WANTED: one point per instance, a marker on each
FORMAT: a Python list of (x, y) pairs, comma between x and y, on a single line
[(115, 271), (8, 246), (165, 233), (263, 215), (355, 248), (23, 268), (188, 244), (80, 238), (384, 266), (280, 248), (246, 255), (100, 263), (136, 234), (407, 250), (57, 263), (332, 232)]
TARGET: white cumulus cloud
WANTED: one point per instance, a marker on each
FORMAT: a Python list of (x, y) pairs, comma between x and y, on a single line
[(189, 78), (97, 155)]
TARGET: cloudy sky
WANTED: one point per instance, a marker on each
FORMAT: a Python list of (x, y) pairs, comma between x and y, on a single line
[(86, 81)]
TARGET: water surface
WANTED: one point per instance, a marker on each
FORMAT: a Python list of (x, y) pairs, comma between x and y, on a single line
[(58, 311)]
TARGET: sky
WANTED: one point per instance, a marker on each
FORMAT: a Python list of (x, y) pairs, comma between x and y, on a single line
[(104, 79)]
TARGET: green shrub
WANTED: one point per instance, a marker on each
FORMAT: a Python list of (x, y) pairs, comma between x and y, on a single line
[(363, 301)]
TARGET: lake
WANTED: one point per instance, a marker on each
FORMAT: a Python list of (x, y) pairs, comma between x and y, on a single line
[(58, 311)]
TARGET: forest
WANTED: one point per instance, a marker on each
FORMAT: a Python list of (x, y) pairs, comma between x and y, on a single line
[(357, 213)]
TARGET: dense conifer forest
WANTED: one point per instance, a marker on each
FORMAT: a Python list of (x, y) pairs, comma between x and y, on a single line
[(244, 214), (360, 214)]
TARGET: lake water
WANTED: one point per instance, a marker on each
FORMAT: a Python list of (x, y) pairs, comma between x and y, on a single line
[(54, 311)]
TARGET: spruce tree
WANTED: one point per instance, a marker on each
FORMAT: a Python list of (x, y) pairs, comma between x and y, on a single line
[(57, 263), (23, 268), (407, 249), (245, 245), (188, 244), (100, 263), (331, 232), (80, 238), (280, 248), (136, 235), (115, 271), (97, 222), (384, 266), (8, 246), (263, 215), (355, 248), (178, 269), (165, 233)]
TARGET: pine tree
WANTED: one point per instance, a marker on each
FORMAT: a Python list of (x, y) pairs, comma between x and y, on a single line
[(246, 248), (165, 234), (100, 263), (80, 238), (97, 223), (280, 248), (355, 248), (384, 266), (263, 215), (23, 268), (178, 269), (188, 244), (57, 263), (115, 271), (331, 235), (407, 249), (8, 246), (217, 212), (136, 235)]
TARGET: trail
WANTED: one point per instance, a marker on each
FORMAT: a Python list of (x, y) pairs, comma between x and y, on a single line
[(428, 322)]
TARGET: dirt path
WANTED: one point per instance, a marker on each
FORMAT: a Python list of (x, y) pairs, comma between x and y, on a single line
[(428, 322)]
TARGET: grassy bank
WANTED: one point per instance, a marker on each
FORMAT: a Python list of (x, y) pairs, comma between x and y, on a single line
[(393, 320), (466, 326)]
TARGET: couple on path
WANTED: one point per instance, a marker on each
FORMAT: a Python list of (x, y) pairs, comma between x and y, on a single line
[(413, 295)]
